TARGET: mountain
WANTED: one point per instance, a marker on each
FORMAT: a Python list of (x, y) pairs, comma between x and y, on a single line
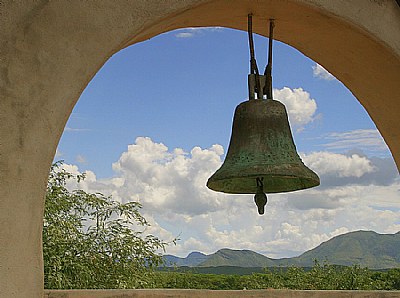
[(364, 248), (238, 258), (192, 260)]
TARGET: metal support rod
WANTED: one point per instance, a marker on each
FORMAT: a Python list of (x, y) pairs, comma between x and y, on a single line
[(253, 63), (268, 68)]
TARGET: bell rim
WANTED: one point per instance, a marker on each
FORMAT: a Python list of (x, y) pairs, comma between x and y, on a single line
[(273, 183)]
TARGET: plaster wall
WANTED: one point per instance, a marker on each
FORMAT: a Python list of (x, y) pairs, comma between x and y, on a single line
[(50, 50)]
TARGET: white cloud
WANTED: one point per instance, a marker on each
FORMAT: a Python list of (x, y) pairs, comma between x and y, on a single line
[(88, 184), (170, 183), (73, 169), (58, 154), (191, 32), (318, 200), (300, 106), (170, 180), (184, 34), (80, 159), (372, 153), (338, 164), (382, 198), (70, 129), (322, 73), (367, 139)]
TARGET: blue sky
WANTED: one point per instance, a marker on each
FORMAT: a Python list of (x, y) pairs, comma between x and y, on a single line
[(156, 119)]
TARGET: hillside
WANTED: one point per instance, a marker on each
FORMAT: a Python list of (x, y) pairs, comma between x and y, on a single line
[(192, 260), (364, 248), (239, 258)]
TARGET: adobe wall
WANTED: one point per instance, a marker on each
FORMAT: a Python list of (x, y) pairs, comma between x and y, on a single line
[(50, 50)]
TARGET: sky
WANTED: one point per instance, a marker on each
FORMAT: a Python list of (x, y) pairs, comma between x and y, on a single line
[(155, 122)]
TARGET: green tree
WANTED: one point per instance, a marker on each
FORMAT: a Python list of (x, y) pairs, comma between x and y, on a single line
[(92, 241)]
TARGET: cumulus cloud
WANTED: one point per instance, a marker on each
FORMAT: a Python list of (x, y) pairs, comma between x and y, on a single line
[(322, 73), (311, 199), (300, 106), (351, 168), (87, 184), (367, 144), (170, 180), (338, 164), (170, 183)]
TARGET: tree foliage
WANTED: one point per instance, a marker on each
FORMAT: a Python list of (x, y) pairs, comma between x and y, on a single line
[(319, 277), (92, 241)]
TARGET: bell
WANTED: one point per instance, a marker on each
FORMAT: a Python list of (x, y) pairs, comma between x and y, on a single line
[(261, 156)]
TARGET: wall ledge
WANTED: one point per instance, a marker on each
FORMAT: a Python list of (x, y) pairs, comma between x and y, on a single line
[(161, 293)]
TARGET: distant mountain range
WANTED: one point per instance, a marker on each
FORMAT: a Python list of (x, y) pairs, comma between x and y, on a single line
[(364, 248), (193, 259)]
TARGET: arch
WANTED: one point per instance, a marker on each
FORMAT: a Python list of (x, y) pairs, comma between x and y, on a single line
[(52, 49)]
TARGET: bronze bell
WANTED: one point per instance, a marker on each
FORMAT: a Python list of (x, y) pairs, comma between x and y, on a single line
[(262, 156), (261, 147)]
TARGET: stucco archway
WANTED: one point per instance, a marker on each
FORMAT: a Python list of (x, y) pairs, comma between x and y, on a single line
[(51, 50)]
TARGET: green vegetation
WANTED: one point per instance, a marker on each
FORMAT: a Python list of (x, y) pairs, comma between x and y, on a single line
[(91, 241), (319, 277), (227, 270)]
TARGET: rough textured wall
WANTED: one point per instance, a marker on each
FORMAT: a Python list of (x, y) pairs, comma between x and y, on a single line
[(50, 50)]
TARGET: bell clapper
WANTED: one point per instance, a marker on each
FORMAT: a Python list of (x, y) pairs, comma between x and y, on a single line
[(260, 197)]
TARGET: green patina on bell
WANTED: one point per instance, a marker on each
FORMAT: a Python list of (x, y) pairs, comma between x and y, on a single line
[(261, 147)]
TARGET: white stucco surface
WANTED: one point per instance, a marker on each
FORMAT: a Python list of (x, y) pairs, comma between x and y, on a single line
[(50, 50)]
